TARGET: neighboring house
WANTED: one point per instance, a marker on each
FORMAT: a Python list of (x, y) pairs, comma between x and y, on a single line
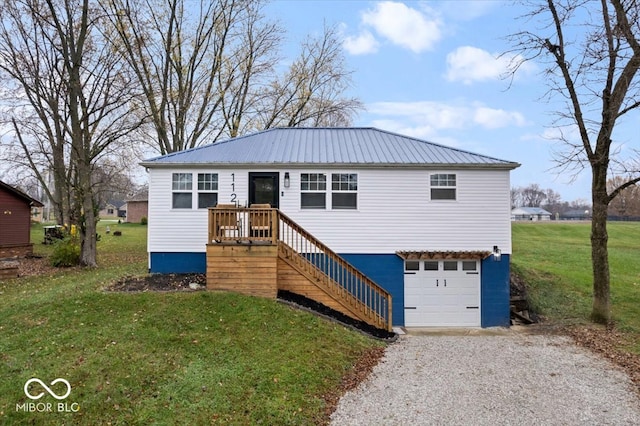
[(137, 207), (530, 213), (428, 223), (15, 222), (114, 208), (576, 214)]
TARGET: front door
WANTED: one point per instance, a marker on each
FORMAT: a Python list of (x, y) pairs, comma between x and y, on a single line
[(264, 188)]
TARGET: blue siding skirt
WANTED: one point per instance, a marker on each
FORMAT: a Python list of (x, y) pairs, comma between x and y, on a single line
[(178, 263), (387, 270), (495, 292)]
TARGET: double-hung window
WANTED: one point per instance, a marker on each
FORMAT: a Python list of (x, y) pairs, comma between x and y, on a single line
[(182, 185), (443, 186), (207, 190), (313, 191), (344, 191)]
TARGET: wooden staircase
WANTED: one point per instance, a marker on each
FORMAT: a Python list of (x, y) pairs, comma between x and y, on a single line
[(260, 251)]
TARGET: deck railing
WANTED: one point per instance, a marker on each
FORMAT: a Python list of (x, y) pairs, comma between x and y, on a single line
[(248, 225), (302, 250)]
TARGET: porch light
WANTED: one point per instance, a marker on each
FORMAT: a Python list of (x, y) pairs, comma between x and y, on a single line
[(497, 254), (287, 180)]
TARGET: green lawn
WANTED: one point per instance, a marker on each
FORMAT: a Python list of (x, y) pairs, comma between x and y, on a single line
[(162, 358), (555, 260)]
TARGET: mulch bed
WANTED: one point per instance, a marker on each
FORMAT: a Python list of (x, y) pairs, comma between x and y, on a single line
[(160, 282), (335, 315)]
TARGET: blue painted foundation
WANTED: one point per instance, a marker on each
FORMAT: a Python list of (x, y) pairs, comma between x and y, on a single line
[(178, 263), (495, 292), (387, 270)]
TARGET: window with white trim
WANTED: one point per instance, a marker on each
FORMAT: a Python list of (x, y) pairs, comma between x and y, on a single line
[(443, 186), (182, 185), (313, 191), (344, 191), (207, 190)]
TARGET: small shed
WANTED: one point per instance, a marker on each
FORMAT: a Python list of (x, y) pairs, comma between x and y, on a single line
[(15, 222), (530, 213)]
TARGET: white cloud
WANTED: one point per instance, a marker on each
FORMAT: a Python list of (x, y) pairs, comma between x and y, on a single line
[(401, 25), (469, 64), (434, 116), (362, 44), (468, 10), (495, 118)]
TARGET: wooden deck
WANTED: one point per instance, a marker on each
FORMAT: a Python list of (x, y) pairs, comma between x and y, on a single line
[(258, 251)]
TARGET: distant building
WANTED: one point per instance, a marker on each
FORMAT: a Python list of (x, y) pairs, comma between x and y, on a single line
[(578, 214), (138, 207), (530, 213), (114, 208)]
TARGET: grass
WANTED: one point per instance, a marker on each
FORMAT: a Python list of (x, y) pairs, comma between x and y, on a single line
[(162, 358), (555, 260)]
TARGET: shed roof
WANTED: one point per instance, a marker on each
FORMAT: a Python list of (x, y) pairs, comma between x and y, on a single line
[(327, 146), (20, 194)]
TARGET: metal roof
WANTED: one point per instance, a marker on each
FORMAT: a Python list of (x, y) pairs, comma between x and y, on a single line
[(327, 146), (530, 210)]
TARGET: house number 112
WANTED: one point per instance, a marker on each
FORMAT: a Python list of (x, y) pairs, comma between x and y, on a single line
[(234, 196)]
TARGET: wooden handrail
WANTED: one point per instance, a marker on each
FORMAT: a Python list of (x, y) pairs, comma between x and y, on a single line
[(344, 279), (362, 296)]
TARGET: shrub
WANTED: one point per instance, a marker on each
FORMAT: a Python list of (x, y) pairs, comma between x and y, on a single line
[(143, 220), (66, 253)]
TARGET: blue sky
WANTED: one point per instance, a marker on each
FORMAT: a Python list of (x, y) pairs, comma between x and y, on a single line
[(431, 69)]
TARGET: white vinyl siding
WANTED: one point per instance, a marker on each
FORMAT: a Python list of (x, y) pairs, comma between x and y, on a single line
[(395, 211)]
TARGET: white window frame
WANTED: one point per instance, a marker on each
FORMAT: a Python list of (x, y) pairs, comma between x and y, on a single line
[(316, 186), (207, 187), (444, 183), (341, 186), (181, 183)]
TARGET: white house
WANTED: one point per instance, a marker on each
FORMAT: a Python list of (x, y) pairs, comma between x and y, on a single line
[(429, 223), (530, 213)]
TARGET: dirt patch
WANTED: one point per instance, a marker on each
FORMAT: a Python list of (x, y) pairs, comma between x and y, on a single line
[(608, 342), (160, 282), (358, 374), (37, 266)]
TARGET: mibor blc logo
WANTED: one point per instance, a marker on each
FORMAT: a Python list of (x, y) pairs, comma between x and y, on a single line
[(55, 390)]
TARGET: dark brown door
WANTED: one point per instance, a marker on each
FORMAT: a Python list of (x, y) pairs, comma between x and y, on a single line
[(264, 188)]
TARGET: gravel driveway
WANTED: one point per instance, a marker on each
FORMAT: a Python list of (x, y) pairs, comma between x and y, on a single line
[(512, 378)]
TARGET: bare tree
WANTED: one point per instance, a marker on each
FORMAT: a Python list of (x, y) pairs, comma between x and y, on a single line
[(591, 52), (627, 202), (533, 195), (75, 89), (311, 92), (208, 70)]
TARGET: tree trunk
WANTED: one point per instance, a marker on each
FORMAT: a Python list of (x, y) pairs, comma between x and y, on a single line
[(87, 222), (601, 312)]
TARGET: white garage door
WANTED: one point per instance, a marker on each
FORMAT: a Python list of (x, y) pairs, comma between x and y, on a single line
[(442, 293)]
